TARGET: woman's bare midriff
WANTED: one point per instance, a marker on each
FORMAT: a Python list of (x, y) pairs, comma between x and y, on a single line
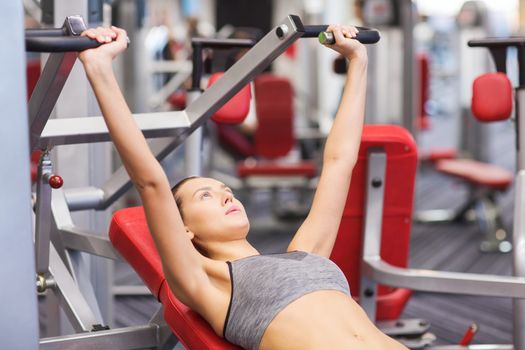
[(325, 320)]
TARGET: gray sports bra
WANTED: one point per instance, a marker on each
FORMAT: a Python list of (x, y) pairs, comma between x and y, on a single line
[(263, 285)]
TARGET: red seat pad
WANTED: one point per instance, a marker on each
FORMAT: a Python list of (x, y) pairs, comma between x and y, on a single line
[(492, 97), (481, 174), (247, 168), (401, 152), (236, 109)]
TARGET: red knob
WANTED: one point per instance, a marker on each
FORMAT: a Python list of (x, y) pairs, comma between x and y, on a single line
[(55, 181)]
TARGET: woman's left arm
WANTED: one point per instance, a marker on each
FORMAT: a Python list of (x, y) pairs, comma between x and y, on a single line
[(318, 232)]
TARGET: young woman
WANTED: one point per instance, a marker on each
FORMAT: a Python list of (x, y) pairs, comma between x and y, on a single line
[(294, 300)]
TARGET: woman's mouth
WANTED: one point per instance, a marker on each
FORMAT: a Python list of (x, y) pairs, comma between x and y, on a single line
[(233, 209)]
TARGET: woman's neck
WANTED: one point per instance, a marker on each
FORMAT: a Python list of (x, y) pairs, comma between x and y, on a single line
[(232, 250)]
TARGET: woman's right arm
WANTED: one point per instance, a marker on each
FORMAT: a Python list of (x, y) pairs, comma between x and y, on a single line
[(182, 264)]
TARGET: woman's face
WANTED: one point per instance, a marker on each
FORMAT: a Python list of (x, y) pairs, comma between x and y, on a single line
[(211, 212)]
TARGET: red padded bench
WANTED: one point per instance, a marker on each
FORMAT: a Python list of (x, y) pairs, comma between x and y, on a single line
[(492, 99), (130, 235)]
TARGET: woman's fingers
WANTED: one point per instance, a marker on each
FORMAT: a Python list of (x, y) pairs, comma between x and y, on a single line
[(101, 34)]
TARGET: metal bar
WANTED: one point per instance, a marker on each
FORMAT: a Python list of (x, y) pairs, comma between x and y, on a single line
[(193, 144), (444, 282), (520, 127), (93, 129), (242, 72), (82, 198), (47, 91), (409, 88), (165, 337), (139, 337), (120, 182), (519, 258), (70, 297), (130, 290), (77, 239), (43, 215), (372, 228)]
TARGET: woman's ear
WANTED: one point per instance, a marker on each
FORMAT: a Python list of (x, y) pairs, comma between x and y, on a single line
[(190, 234)]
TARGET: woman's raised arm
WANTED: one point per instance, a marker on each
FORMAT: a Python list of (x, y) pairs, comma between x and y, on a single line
[(182, 264), (319, 231)]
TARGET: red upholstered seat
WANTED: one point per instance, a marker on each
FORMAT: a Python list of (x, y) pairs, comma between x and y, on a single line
[(482, 174), (130, 236)]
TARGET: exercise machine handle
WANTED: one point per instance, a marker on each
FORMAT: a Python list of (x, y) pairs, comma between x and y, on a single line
[(365, 35), (60, 44), (215, 43), (65, 39)]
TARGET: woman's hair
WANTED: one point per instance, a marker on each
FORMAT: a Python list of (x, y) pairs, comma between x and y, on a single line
[(178, 198)]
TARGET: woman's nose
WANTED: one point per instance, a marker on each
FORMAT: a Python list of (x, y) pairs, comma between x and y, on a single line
[(228, 197)]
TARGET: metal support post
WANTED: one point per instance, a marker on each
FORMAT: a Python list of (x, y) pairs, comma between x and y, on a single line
[(193, 145), (71, 299), (519, 259), (18, 300), (375, 188), (47, 91), (519, 210), (43, 215), (409, 86)]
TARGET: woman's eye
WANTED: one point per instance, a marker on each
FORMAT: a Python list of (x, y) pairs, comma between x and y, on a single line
[(205, 195)]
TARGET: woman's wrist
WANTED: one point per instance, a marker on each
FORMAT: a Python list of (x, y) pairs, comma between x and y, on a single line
[(100, 67)]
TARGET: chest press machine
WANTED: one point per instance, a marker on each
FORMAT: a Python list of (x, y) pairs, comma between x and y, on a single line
[(57, 239)]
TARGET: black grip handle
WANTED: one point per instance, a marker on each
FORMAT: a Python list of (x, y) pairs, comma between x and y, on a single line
[(497, 42), (215, 43), (60, 44), (365, 35), (48, 32)]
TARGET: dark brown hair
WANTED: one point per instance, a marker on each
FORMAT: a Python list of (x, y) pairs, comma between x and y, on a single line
[(175, 189)]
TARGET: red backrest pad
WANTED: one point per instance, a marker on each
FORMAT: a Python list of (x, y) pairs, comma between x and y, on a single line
[(130, 235), (274, 104), (401, 154), (236, 109), (492, 97)]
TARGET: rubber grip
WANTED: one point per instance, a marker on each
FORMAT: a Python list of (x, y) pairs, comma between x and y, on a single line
[(365, 36), (60, 44)]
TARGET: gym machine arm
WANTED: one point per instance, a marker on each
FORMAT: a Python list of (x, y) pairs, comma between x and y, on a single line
[(176, 124)]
